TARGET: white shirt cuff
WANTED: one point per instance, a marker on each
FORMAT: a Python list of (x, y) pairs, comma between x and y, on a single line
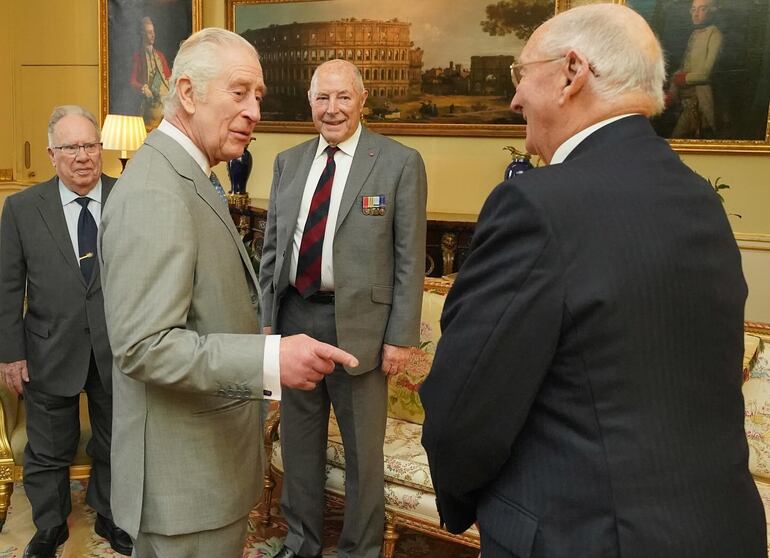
[(271, 368)]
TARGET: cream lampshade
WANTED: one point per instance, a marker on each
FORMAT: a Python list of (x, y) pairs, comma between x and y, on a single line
[(123, 133)]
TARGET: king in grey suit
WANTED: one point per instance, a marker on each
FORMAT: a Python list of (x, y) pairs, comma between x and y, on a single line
[(367, 300), (60, 346), (182, 310)]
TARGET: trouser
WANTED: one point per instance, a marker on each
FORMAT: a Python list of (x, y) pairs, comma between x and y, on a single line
[(53, 433), (225, 542), (360, 404)]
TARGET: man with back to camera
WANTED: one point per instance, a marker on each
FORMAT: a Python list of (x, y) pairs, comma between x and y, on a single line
[(585, 396), (60, 347), (182, 310), (343, 261)]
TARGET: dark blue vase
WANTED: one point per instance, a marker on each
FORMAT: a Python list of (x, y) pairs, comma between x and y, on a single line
[(519, 164), (239, 170)]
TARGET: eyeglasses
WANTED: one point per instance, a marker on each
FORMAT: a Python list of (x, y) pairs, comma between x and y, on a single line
[(517, 76), (73, 150)]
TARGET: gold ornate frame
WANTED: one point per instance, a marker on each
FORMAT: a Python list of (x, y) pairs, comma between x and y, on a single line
[(701, 145), (401, 128), (104, 59)]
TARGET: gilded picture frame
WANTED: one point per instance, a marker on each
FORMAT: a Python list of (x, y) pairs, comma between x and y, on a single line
[(429, 71), (726, 107), (138, 41)]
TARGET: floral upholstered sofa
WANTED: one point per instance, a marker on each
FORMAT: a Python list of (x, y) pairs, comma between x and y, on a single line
[(409, 497), (756, 394)]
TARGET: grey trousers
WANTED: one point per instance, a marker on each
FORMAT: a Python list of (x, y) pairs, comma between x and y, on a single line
[(360, 404), (226, 542)]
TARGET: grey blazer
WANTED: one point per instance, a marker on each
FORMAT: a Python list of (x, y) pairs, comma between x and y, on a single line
[(65, 316), (379, 261), (182, 312)]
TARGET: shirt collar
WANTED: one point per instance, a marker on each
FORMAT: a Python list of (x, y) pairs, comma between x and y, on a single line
[(187, 144), (68, 196), (568, 146), (348, 147)]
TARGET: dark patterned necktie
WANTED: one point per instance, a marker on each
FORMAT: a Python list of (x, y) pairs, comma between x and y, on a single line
[(309, 261), (86, 239), (218, 187)]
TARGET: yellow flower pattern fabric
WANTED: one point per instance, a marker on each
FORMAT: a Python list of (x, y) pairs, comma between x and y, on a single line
[(403, 399)]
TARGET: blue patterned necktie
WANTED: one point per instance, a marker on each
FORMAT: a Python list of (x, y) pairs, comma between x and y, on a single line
[(218, 187), (86, 239)]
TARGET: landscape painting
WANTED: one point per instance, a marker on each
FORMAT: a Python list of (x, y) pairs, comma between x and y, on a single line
[(435, 68)]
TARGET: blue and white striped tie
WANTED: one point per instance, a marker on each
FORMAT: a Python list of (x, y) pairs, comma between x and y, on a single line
[(218, 187)]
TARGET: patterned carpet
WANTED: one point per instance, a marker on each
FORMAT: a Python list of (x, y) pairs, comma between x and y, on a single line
[(260, 542)]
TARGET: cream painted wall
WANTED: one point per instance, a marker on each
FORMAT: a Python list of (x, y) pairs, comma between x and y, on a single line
[(461, 171)]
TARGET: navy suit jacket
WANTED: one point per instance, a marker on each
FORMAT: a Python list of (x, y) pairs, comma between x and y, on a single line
[(585, 397)]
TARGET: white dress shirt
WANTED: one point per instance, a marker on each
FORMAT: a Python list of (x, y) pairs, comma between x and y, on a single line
[(72, 211), (568, 146), (271, 369), (343, 160)]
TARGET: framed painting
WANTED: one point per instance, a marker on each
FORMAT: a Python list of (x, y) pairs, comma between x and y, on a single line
[(138, 41), (430, 68), (718, 68)]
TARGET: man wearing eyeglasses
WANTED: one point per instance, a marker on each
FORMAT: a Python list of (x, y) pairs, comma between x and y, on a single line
[(59, 347), (585, 395)]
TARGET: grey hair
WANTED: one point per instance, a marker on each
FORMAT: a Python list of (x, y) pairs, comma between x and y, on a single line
[(622, 63), (358, 80), (66, 110), (145, 21), (200, 59)]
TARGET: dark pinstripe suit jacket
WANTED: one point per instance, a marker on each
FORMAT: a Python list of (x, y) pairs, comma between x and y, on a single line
[(585, 398)]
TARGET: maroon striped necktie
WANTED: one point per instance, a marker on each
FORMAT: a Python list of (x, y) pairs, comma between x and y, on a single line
[(308, 279)]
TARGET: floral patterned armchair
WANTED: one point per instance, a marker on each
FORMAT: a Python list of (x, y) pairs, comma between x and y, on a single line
[(756, 394), (409, 497)]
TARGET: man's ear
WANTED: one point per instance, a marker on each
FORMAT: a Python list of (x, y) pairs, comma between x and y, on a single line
[(51, 157), (576, 72), (186, 94)]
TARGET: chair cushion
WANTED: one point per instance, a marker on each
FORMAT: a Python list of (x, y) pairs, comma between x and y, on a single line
[(403, 400), (756, 394)]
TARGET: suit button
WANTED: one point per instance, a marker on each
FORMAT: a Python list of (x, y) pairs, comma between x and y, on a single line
[(86, 330), (254, 299)]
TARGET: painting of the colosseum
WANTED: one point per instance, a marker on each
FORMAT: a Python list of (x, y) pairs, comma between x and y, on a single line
[(433, 63)]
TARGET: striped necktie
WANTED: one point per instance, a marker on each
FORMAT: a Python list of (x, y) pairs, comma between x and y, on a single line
[(218, 187), (308, 279)]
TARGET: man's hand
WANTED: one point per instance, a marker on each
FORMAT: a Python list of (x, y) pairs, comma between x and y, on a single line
[(267, 330), (680, 78), (304, 361), (394, 359), (15, 375)]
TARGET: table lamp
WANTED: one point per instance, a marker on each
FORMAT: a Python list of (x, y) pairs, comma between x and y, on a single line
[(123, 133)]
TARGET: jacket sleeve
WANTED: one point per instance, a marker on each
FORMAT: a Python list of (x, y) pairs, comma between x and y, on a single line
[(13, 282), (408, 254), (500, 327), (267, 263), (148, 250)]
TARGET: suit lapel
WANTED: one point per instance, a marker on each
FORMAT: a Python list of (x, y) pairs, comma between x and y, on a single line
[(186, 166), (50, 208), (364, 158), (291, 197)]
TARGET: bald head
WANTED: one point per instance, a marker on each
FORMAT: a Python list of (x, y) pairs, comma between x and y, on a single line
[(341, 68), (620, 46)]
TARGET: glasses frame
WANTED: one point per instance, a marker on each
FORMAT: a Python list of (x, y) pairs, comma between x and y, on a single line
[(94, 147), (516, 76)]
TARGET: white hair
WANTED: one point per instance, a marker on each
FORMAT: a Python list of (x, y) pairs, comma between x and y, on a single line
[(200, 58), (66, 110), (600, 32)]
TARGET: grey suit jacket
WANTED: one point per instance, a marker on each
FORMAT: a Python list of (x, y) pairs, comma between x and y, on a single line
[(182, 309), (65, 316), (379, 261)]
